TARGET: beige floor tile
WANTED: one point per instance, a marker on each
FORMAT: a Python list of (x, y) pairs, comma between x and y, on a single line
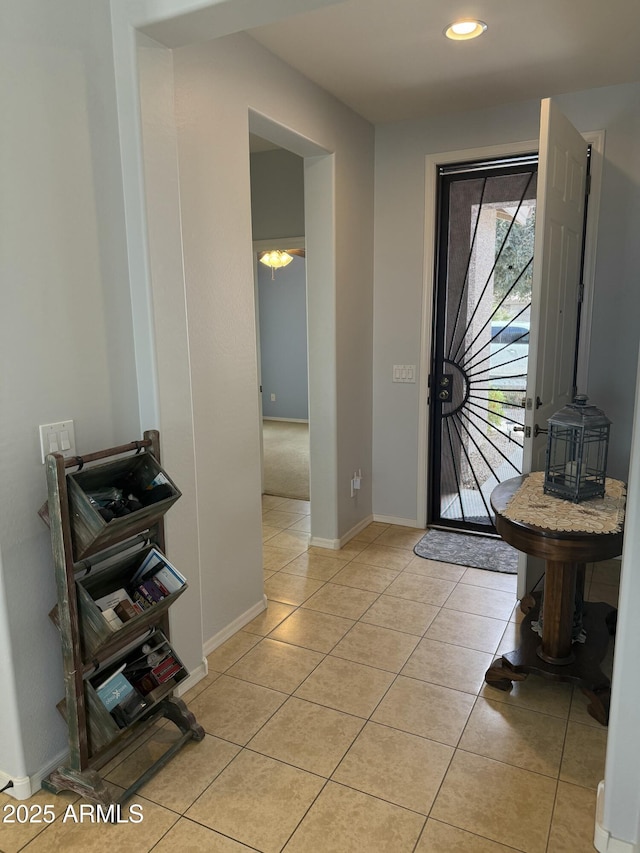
[(257, 801), (269, 532), (481, 601), (341, 601), (304, 525), (131, 747), (294, 505), (312, 566), (441, 838), (505, 804), (602, 592), (14, 836), (516, 614), (435, 569), (428, 710), (515, 736), (234, 709), (189, 837), (397, 536), (137, 832), (510, 640), (270, 502), (308, 736), (347, 552), (231, 651), (346, 821), (384, 556), (279, 666), (535, 694), (281, 519), (466, 629), (361, 576), (266, 574), (574, 818), (370, 533), (607, 572), (413, 617), (376, 646), (191, 770), (447, 665), (584, 755), (346, 686), (275, 613), (396, 766), (291, 539), (420, 588), (312, 630), (491, 580), (578, 712), (290, 589), (274, 559)]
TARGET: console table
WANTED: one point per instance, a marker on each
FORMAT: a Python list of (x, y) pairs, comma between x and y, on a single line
[(555, 655)]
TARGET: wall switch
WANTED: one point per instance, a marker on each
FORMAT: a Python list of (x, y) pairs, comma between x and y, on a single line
[(57, 438), (273, 398), (404, 373)]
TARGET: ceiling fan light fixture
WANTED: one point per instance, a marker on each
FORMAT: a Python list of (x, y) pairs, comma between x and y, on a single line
[(276, 259), (463, 30)]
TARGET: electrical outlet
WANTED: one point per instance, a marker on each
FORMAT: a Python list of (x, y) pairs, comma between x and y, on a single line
[(57, 438), (273, 398)]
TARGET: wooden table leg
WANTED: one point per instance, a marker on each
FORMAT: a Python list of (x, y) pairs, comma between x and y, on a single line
[(557, 617)]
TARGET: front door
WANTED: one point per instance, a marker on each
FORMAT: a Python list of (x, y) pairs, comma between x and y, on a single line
[(484, 279), (556, 289)]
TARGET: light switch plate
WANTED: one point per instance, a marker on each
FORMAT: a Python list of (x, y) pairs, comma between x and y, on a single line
[(57, 438), (404, 373)]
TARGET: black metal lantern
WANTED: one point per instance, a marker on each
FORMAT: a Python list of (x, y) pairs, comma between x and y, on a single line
[(577, 447)]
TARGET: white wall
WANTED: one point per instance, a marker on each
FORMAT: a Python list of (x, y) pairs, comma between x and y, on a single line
[(399, 230), (619, 813), (65, 326), (216, 84)]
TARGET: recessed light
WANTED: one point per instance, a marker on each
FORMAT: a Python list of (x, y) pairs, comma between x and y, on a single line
[(462, 30)]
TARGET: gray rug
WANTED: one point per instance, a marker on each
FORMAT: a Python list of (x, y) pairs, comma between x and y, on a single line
[(479, 552)]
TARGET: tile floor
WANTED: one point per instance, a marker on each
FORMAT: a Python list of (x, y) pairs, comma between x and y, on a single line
[(351, 717)]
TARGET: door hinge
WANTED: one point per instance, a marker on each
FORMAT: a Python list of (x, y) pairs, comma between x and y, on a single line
[(581, 293), (587, 184)]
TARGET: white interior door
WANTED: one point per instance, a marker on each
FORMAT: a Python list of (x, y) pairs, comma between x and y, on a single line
[(562, 169)]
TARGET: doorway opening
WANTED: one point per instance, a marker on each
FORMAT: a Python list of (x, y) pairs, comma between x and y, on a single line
[(280, 280), (281, 325), (484, 264)]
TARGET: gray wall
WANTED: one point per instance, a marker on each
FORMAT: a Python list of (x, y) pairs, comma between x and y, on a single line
[(399, 230), (283, 340), (66, 343), (277, 194)]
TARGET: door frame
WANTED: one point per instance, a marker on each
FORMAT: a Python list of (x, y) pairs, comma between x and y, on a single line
[(432, 163)]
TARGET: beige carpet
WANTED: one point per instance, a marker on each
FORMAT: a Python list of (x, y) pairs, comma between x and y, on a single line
[(286, 459)]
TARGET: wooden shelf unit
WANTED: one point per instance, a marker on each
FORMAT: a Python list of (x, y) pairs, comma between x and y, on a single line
[(87, 649)]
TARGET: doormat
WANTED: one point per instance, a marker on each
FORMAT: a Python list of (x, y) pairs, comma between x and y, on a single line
[(478, 552)]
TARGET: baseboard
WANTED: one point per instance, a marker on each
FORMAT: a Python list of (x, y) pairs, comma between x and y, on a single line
[(603, 841), (20, 787), (287, 420), (336, 544), (193, 678), (242, 620), (401, 522)]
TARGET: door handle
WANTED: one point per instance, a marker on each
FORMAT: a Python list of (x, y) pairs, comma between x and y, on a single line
[(517, 429)]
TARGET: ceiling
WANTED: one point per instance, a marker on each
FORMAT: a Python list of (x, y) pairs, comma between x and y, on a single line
[(388, 59)]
